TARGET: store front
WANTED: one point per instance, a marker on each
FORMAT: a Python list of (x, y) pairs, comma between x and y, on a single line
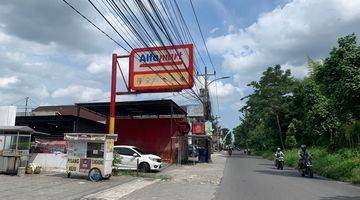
[(150, 125)]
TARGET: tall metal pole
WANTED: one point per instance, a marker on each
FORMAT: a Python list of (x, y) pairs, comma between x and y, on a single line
[(26, 105), (113, 96)]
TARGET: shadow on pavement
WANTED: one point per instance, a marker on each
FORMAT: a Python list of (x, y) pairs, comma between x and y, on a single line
[(341, 198), (288, 173), (73, 176), (267, 164), (237, 154)]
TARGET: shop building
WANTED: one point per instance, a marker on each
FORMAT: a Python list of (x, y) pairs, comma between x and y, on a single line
[(149, 125)]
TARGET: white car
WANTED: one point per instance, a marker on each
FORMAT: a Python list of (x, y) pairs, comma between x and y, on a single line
[(130, 156)]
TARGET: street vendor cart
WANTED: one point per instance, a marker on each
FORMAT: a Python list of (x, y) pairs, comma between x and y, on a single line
[(90, 154), (14, 148)]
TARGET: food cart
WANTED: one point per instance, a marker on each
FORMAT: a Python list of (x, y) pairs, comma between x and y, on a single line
[(90, 154), (14, 148)]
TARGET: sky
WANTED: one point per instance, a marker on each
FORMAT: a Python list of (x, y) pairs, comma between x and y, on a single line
[(53, 56)]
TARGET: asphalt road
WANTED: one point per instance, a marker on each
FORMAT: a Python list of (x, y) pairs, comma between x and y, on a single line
[(254, 178)]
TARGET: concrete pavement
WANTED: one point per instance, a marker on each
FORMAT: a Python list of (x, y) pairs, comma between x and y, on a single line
[(254, 178), (196, 182), (53, 186)]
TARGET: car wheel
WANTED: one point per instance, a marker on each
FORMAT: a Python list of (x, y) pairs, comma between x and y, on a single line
[(95, 175), (144, 167)]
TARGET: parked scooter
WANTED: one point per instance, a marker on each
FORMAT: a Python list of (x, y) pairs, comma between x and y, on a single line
[(279, 162), (305, 167)]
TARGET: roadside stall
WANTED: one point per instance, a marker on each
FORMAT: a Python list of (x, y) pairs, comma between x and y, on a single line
[(90, 154), (14, 148)]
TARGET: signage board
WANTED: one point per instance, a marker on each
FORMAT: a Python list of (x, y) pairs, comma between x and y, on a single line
[(198, 128), (195, 110), (184, 127), (157, 69), (7, 115), (2, 142), (208, 128)]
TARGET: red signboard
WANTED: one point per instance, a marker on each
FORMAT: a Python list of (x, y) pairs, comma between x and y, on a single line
[(198, 128), (156, 69), (184, 127)]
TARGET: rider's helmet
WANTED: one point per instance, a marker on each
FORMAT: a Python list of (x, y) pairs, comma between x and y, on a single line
[(278, 149), (303, 147)]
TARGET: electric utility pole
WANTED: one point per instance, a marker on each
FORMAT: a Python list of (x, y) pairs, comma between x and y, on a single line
[(26, 105), (204, 93)]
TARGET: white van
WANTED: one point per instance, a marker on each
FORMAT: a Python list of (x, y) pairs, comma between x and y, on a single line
[(129, 156)]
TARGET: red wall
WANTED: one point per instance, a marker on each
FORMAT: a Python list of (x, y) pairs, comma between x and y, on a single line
[(151, 135)]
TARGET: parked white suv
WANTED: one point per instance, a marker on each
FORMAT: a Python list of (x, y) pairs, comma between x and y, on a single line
[(129, 156)]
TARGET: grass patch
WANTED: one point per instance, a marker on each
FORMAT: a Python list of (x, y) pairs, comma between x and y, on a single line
[(343, 164), (141, 174)]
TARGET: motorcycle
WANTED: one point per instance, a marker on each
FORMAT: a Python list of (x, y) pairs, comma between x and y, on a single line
[(305, 167), (229, 152), (279, 162)]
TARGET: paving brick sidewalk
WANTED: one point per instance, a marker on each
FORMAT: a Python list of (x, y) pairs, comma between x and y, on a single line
[(54, 186), (198, 181)]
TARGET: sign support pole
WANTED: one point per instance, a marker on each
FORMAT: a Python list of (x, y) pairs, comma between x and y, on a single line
[(113, 95)]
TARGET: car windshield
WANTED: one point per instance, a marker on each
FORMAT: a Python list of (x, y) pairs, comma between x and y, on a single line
[(139, 151)]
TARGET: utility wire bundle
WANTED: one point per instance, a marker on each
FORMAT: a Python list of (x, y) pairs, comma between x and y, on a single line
[(146, 24)]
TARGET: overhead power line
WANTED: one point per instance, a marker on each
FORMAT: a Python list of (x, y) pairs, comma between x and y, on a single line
[(202, 35), (155, 26), (88, 20)]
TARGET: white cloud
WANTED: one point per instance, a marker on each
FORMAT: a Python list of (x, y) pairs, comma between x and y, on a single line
[(287, 35), (231, 28), (225, 90), (5, 82), (214, 30), (79, 92)]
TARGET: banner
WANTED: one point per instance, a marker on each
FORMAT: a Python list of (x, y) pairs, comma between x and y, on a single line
[(195, 110), (49, 146), (198, 128), (208, 128)]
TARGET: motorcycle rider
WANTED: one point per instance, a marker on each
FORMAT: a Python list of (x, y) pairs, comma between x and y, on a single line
[(278, 154), (229, 150), (303, 156)]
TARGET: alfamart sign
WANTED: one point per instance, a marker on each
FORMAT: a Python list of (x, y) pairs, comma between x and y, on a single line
[(162, 68)]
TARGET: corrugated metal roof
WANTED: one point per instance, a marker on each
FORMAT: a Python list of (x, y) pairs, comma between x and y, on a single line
[(16, 129), (137, 108)]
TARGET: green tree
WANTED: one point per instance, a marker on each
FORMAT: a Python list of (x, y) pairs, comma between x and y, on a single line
[(339, 78), (290, 141), (272, 101)]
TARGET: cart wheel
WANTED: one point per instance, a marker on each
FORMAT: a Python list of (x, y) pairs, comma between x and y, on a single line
[(107, 177), (95, 175), (68, 174)]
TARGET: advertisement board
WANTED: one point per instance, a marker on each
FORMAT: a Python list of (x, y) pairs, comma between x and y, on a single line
[(7, 115), (195, 110), (156, 69), (49, 146), (2, 141), (208, 128), (198, 128)]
